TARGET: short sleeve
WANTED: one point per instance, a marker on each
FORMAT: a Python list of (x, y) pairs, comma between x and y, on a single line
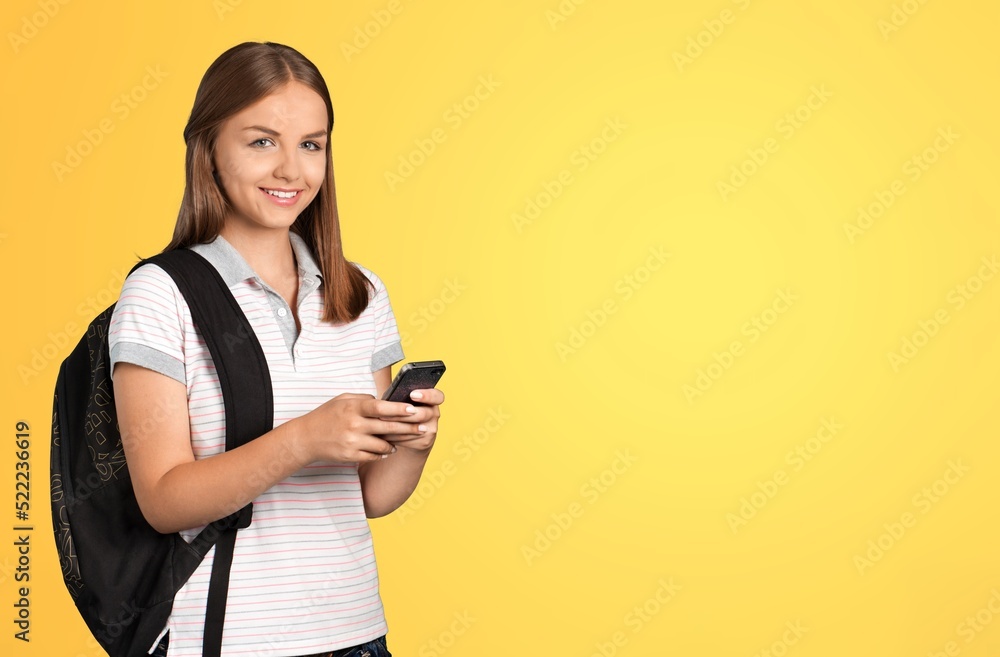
[(388, 349), (147, 324)]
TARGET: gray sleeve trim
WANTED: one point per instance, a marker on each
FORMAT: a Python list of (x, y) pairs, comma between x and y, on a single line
[(387, 356), (144, 356)]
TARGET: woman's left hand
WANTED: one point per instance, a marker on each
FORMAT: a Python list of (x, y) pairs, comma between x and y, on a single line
[(425, 413)]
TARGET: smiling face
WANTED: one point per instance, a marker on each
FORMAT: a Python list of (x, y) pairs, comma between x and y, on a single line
[(271, 158)]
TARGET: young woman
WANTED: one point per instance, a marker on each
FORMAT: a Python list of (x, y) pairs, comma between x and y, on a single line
[(259, 203)]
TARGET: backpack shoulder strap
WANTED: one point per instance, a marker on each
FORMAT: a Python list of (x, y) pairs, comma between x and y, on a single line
[(236, 353), (247, 397)]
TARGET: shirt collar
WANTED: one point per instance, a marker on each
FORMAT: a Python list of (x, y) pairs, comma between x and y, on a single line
[(303, 255), (234, 268)]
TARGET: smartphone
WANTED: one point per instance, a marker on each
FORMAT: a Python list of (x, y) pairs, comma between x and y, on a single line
[(418, 375)]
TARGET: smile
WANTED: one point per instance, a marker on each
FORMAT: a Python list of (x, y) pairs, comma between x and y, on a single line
[(279, 194)]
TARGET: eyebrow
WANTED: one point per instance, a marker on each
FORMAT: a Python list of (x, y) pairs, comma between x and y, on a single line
[(274, 133)]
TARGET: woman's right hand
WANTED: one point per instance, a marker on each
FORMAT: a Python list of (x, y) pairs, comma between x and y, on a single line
[(348, 429)]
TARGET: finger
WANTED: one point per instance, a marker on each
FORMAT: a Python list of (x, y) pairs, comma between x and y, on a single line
[(428, 396), (354, 395), (369, 456), (375, 448), (419, 415), (403, 440), (421, 443), (391, 427), (429, 429), (380, 408)]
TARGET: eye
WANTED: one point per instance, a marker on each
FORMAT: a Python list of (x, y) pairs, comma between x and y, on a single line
[(263, 141), (313, 146)]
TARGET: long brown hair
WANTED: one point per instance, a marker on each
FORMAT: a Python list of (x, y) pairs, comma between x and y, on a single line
[(238, 78)]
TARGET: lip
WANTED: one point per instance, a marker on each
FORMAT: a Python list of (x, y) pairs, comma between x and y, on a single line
[(283, 202)]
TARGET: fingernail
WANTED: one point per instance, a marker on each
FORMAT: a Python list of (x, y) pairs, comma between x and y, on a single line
[(385, 456), (393, 450), (411, 409), (416, 394), (421, 428)]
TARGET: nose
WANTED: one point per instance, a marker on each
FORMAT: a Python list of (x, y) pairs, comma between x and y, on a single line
[(287, 165)]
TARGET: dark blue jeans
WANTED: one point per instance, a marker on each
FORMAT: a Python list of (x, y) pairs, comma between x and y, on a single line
[(376, 648)]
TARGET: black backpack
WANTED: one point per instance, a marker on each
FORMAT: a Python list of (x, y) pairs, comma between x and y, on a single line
[(123, 574)]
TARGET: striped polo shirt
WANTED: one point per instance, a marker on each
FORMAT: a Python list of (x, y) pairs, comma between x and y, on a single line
[(303, 578)]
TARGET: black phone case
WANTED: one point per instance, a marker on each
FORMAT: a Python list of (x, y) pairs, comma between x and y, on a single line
[(418, 375)]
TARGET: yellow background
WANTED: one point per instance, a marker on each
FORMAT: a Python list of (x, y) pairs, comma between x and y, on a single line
[(458, 569)]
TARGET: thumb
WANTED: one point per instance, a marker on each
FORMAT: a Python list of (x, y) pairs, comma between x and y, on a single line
[(353, 395)]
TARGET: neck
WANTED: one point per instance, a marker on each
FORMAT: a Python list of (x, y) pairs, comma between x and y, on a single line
[(268, 252)]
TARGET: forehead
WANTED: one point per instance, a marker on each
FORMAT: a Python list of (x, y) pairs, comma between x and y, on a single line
[(292, 107)]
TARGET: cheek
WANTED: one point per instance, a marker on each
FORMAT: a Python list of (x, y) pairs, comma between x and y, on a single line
[(229, 173), (316, 172), (239, 174), (229, 183)]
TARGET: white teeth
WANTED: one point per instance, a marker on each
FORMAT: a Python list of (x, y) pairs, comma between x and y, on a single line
[(273, 192)]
